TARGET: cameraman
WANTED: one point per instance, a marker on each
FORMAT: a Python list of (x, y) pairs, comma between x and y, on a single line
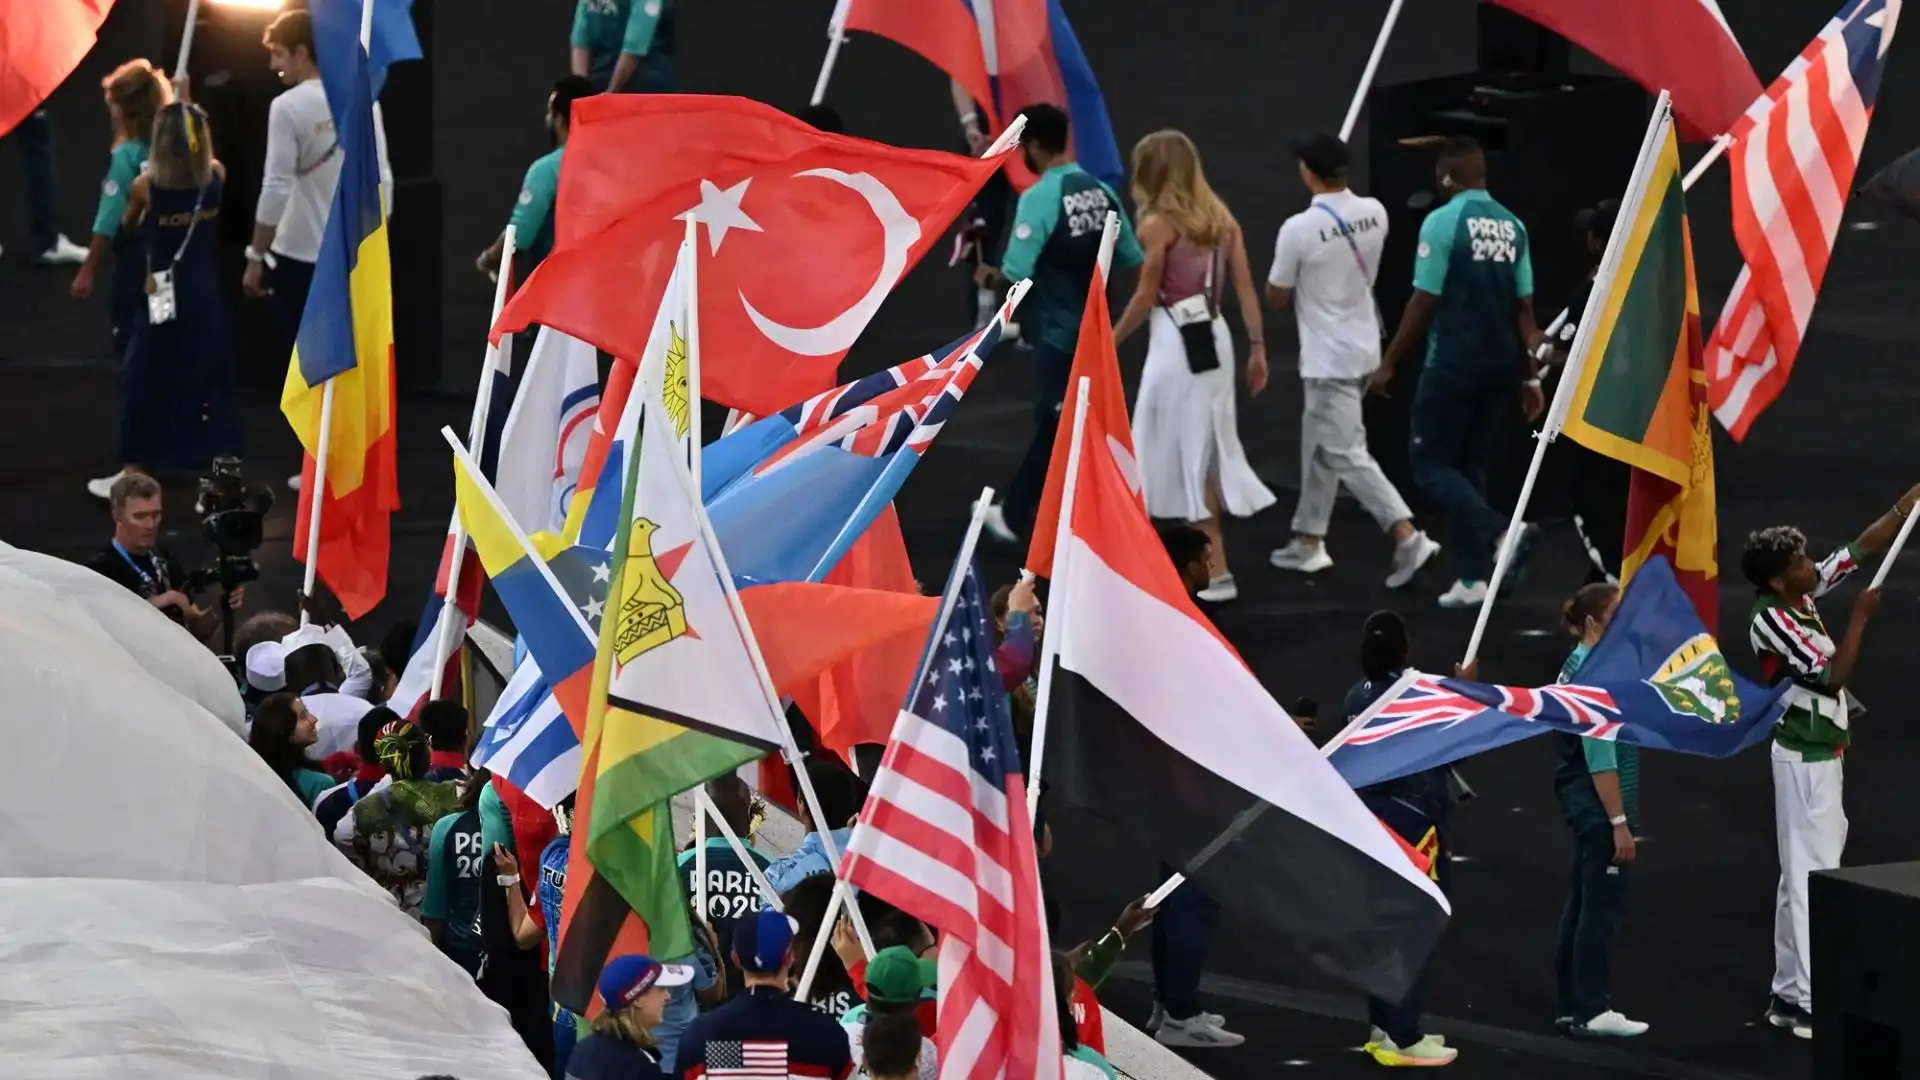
[(135, 559)]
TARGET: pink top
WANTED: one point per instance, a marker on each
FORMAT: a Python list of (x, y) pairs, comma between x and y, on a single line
[(1187, 270)]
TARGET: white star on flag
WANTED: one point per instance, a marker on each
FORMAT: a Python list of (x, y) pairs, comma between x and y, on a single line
[(602, 572), (720, 210), (593, 608)]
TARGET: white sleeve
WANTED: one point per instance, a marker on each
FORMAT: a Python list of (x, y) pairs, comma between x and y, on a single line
[(283, 160), (386, 168), (1386, 230), (1286, 258)]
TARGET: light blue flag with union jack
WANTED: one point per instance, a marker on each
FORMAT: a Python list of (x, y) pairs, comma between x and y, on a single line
[(1656, 679)]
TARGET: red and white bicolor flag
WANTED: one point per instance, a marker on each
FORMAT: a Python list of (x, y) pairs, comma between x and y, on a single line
[(1682, 46), (1793, 158), (1159, 727)]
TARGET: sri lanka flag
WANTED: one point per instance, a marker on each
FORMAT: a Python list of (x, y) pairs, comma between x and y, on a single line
[(1008, 54), (346, 341), (1639, 391)]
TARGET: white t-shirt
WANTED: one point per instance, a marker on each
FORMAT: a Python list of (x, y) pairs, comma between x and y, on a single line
[(1332, 299), (303, 167), (336, 722)]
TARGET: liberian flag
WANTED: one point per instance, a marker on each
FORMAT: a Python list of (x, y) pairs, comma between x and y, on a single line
[(1161, 729)]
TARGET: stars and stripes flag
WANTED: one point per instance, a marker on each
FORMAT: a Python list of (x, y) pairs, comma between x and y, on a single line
[(752, 1059), (945, 836), (1793, 158)]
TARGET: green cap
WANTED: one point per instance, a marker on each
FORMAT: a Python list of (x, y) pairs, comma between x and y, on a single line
[(897, 977)]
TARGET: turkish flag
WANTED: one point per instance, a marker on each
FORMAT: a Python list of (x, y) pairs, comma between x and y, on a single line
[(803, 236), (41, 42)]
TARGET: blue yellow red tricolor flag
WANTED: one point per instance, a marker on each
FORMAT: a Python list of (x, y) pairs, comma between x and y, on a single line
[(346, 340)]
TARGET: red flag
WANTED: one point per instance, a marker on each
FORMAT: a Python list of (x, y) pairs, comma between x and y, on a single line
[(41, 42), (804, 235), (944, 33), (1107, 424), (1684, 46)]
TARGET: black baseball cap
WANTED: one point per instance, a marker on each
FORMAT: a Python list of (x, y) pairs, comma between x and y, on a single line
[(1325, 156), (1598, 219)]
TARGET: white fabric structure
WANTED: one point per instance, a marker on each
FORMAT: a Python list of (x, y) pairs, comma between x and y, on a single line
[(167, 907), (138, 627)]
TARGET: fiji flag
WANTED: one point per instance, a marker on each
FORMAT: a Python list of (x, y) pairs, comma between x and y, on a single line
[(346, 340), (1657, 679), (1008, 54)]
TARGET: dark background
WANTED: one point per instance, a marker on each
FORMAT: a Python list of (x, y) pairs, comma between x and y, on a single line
[(1238, 76)]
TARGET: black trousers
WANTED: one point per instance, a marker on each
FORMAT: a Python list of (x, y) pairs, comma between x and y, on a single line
[(1596, 900), (1051, 367)]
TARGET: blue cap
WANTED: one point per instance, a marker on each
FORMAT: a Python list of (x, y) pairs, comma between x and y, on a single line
[(625, 978), (762, 941)]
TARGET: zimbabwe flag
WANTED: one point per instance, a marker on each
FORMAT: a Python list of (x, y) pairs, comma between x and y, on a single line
[(1640, 384)]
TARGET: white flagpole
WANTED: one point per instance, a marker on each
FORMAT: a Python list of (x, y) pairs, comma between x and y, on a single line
[(836, 37), (1050, 641), (1373, 67), (789, 745), (1893, 552), (739, 847), (1249, 815), (319, 495), (186, 44), (692, 268), (968, 545), (1007, 139), (1563, 393), (446, 640), (700, 851)]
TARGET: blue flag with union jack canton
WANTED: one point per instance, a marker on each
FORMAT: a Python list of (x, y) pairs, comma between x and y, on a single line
[(1656, 679)]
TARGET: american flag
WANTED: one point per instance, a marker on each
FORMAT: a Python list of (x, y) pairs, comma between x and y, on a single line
[(1793, 158), (945, 836), (754, 1059)]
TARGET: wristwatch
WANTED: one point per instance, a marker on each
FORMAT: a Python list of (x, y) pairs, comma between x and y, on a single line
[(254, 255), (507, 879), (1618, 819)]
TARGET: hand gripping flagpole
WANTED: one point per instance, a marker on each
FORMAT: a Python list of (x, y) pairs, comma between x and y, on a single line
[(1577, 360), (319, 493), (947, 599), (446, 640), (1372, 68), (836, 37)]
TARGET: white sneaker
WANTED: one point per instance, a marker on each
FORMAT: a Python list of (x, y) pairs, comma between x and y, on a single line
[(64, 252), (1430, 1052), (1199, 1033), (103, 487), (1464, 594), (1159, 1017), (293, 482), (1409, 556), (1304, 558), (1219, 590), (995, 522), (1611, 1023)]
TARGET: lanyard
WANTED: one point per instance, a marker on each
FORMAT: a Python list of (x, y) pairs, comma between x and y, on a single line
[(158, 584)]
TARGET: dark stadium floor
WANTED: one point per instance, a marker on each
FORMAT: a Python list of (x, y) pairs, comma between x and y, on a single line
[(1695, 956)]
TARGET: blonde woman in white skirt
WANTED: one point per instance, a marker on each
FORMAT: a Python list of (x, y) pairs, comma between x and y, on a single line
[(1191, 462)]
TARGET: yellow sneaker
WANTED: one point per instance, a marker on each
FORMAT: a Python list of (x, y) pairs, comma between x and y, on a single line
[(1430, 1052)]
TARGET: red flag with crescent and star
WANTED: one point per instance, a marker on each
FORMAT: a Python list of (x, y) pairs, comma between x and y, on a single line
[(804, 234)]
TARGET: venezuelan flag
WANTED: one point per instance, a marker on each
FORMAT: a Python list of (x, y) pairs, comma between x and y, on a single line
[(346, 340), (1640, 395)]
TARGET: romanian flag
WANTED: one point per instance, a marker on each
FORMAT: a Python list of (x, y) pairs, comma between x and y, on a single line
[(346, 341), (1640, 394)]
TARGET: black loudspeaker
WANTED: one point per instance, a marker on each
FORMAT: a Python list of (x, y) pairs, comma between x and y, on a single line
[(1554, 144), (1516, 44), (1866, 947), (414, 236)]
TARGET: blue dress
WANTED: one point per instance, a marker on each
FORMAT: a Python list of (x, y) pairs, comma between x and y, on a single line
[(177, 408)]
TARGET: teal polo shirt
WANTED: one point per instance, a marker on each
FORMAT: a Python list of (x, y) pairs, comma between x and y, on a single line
[(609, 28), (532, 217), (1056, 242), (123, 168), (1474, 257)]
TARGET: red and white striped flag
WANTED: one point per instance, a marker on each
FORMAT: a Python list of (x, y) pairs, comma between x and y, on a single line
[(1793, 158), (945, 837)]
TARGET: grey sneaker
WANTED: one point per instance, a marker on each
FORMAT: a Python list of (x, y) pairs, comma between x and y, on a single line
[(1409, 557), (1302, 558), (1197, 1032)]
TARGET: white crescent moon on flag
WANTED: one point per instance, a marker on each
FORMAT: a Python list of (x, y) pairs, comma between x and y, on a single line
[(902, 231)]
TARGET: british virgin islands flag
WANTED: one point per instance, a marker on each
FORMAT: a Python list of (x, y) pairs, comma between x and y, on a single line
[(346, 341)]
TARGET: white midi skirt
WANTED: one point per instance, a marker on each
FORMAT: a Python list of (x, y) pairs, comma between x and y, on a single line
[(1185, 433)]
